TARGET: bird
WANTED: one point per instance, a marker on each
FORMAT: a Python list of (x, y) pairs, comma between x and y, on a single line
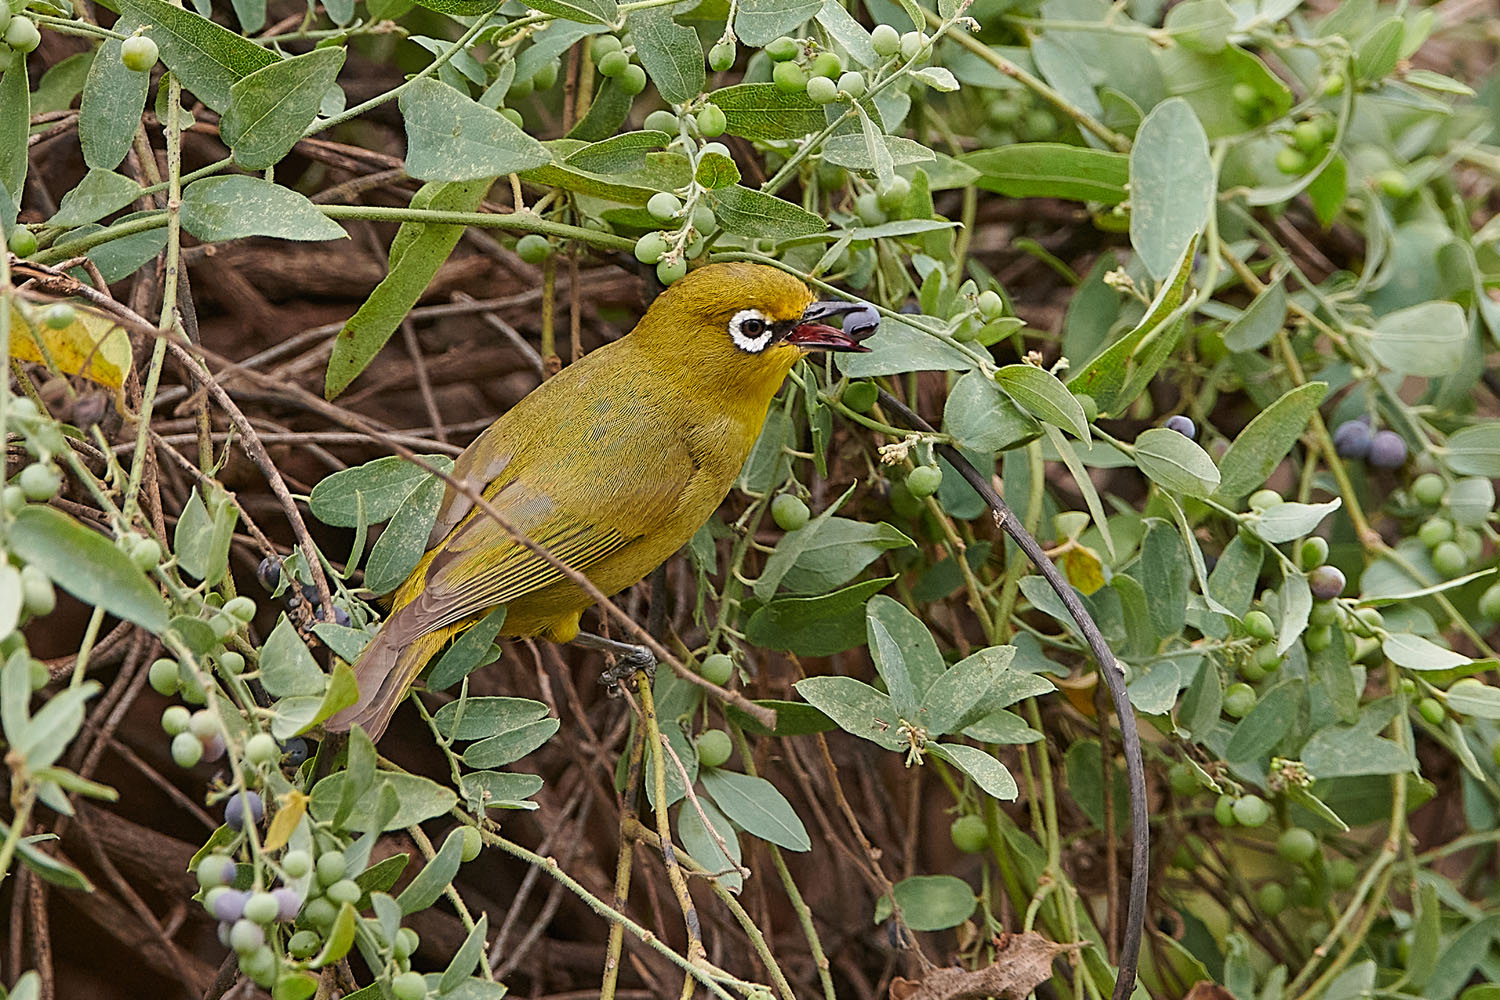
[(612, 465)]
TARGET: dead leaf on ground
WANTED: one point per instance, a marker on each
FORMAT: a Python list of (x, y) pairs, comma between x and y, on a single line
[(1024, 961)]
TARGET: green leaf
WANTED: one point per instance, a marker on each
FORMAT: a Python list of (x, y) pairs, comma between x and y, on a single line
[(1470, 501), (1427, 339), (1041, 394), (1254, 328), (1207, 81), (1287, 521), (1004, 728), (1416, 653), (848, 32), (752, 213), (202, 538), (1163, 573), (499, 789), (855, 152), (761, 111), (113, 98), (815, 626), (382, 486), (891, 666), (1376, 53), (509, 747), (1201, 25), (1346, 751), (469, 651), (422, 249), (855, 706), (347, 643), (987, 772), (583, 11), (606, 114), (450, 137), (1267, 439), (715, 170), (403, 542), (757, 22), (270, 108), (207, 58), (15, 116), (229, 208), (1171, 185), (286, 666), (700, 843), (1085, 769), (477, 718), (755, 806), (984, 419), (1478, 700), (50, 731), (100, 193), (1052, 170), (1176, 463), (670, 54), (1271, 719), (466, 959), (961, 687), (435, 876), (10, 598), (898, 347), (419, 799), (913, 642), (86, 565), (1475, 450), (934, 902), (49, 869), (839, 549), (617, 154)]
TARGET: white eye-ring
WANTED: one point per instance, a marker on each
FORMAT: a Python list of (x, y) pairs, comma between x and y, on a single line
[(750, 329)]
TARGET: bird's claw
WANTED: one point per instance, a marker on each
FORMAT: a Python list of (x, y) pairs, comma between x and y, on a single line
[(627, 663)]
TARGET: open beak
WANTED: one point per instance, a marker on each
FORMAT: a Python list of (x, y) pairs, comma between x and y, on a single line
[(812, 335)]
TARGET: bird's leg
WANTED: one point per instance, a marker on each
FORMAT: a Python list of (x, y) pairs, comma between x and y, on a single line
[(628, 657)]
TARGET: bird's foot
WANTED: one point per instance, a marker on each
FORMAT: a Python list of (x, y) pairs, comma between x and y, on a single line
[(628, 661)]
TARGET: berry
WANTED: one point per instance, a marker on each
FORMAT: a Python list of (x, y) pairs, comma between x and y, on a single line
[(345, 890), (261, 908), (174, 718), (1307, 136), (296, 863), (262, 749), (202, 724), (650, 248), (22, 35), (893, 195), (59, 316), (827, 64), (1333, 84), (409, 986), (1327, 582), (913, 44), (304, 944), (14, 499), (320, 913), (661, 121), (820, 89), (294, 751), (519, 90), (860, 396), (288, 902), (145, 555), (789, 512), (790, 78), (138, 53), (472, 845), (613, 64), (867, 207), (711, 121), (406, 942), (1470, 542), (226, 904), (1324, 612), (533, 248), (1271, 898), (924, 480), (246, 936), (1352, 438), (232, 663), (1432, 710), (40, 481), (213, 748), (632, 81), (269, 572), (716, 669), (990, 304), (242, 806), (1297, 845), (664, 206), (331, 867), (1258, 625), (669, 270), (1262, 500), (1342, 873), (1224, 810), (1429, 489), (1435, 531), (1449, 560), (1394, 183), (1387, 450), (886, 40), (1489, 602), (782, 49), (1367, 621), (216, 869), (1183, 779), (852, 83), (713, 746), (1291, 161), (969, 834), (513, 116), (187, 750), (1183, 425), (242, 608), (1251, 810), (721, 56), (22, 243), (603, 45), (1313, 553), (1239, 699)]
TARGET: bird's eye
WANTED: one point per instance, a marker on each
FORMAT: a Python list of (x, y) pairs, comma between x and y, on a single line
[(750, 330)]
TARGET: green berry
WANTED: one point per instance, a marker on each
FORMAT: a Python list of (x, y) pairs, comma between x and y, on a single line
[(320, 913), (1297, 845), (174, 718), (21, 34), (1224, 810), (664, 206), (409, 986), (1262, 500), (1449, 560), (1183, 779), (1489, 602), (59, 316), (1291, 161), (40, 481), (711, 121), (187, 749), (670, 269), (613, 64), (990, 304), (790, 78), (14, 499), (1394, 183), (820, 89), (662, 121), (296, 863), (783, 49), (533, 248), (1333, 84), (860, 396), (1367, 621), (721, 55), (603, 45), (22, 242), (1259, 626), (232, 663), (138, 53), (717, 669), (650, 248), (1470, 542), (1239, 699), (703, 218), (513, 116), (240, 608), (519, 90), (473, 843), (924, 480), (1343, 873), (867, 207), (789, 512), (304, 944), (893, 195), (713, 746), (145, 555), (886, 40), (331, 867), (1432, 710), (1429, 489), (913, 44), (1245, 97), (827, 64), (1435, 531), (262, 749), (1271, 898), (546, 77), (246, 936), (1318, 638), (37, 595), (632, 81), (1307, 136), (406, 942), (345, 890), (1251, 810), (853, 84), (261, 908), (1313, 553), (1324, 612), (969, 834)]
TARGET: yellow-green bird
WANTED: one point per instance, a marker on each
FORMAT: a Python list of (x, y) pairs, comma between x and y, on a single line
[(611, 465)]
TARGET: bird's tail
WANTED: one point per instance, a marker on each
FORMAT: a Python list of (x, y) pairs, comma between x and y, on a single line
[(384, 671)]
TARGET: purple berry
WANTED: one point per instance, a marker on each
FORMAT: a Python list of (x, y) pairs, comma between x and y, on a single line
[(1326, 582), (1182, 424), (861, 322), (240, 804), (269, 572), (1387, 450), (341, 617), (1352, 438), (288, 902), (229, 906), (213, 747), (295, 751), (910, 309)]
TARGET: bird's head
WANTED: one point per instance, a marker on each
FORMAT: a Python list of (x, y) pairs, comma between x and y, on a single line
[(742, 324)]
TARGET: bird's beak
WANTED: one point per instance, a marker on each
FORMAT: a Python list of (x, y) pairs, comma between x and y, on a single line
[(812, 335)]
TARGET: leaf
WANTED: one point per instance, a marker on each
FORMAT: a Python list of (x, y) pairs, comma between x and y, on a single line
[(1416, 653), (113, 98), (752, 213), (1171, 185), (938, 78), (1041, 394), (933, 902), (1427, 339), (86, 565), (1207, 81), (854, 151), (815, 626), (604, 12), (700, 843), (382, 486), (466, 958), (607, 113), (1163, 573), (435, 876), (983, 419), (92, 346), (761, 111), (987, 772), (339, 939), (468, 652), (100, 193), (1287, 521), (270, 108), (891, 665), (913, 641), (1475, 450), (509, 747), (423, 248), (715, 170), (898, 347), (50, 731), (207, 58), (1176, 463), (1254, 328), (961, 687), (229, 208), (450, 137), (49, 869), (1201, 25), (419, 799), (670, 54), (857, 707), (1267, 439), (1052, 170), (848, 32), (1346, 751), (286, 666), (840, 549), (475, 718), (623, 152), (499, 789), (15, 114), (401, 545), (202, 539), (755, 806), (757, 22)]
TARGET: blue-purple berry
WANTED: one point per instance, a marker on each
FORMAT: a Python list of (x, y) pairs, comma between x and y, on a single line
[(288, 902), (229, 905), (242, 804), (1387, 450), (1352, 438), (1182, 424), (269, 572)]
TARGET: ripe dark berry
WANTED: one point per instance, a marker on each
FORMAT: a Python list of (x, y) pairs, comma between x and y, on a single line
[(243, 804), (269, 572), (1326, 582), (862, 322), (1183, 425), (295, 751), (1352, 438), (1387, 450)]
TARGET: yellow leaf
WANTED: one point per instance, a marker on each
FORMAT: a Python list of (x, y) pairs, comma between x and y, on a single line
[(1083, 569), (93, 346), (293, 808)]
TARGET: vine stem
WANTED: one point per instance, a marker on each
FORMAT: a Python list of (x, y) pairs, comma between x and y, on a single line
[(1140, 829)]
